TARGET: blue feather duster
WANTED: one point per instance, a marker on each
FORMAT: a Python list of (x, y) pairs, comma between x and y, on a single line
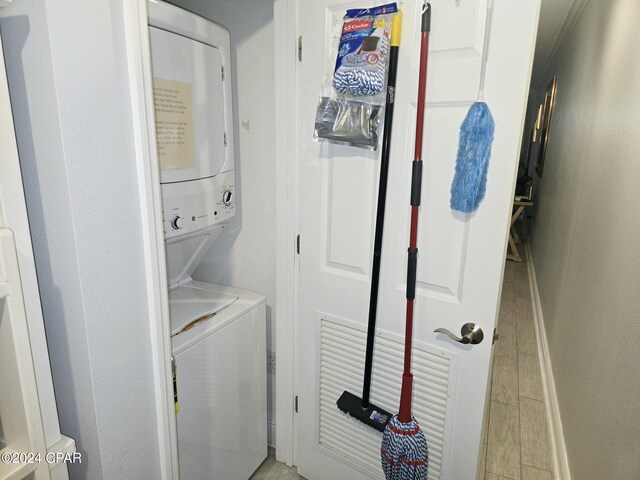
[(474, 147), (474, 150)]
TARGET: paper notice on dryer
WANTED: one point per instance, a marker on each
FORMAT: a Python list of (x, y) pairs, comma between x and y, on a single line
[(174, 123)]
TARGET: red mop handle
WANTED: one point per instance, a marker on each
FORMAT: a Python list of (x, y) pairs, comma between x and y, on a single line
[(416, 186), (422, 81)]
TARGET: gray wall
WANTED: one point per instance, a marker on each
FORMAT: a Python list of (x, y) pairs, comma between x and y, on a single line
[(585, 241), (68, 81), (244, 254)]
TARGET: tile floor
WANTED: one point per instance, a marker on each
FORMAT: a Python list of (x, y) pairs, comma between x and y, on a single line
[(516, 441), (515, 445), (271, 469)]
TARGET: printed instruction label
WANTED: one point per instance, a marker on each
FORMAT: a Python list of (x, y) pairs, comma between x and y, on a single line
[(174, 123)]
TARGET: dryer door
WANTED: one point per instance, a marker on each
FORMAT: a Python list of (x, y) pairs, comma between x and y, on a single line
[(189, 107)]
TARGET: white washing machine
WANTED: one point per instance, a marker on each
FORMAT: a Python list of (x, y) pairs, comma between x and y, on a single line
[(218, 333), (221, 380)]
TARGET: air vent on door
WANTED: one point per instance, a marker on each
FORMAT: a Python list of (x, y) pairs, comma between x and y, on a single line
[(341, 366)]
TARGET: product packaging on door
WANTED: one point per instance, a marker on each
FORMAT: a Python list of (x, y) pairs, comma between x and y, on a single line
[(353, 94)]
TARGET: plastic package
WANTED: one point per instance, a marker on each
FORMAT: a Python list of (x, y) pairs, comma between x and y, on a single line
[(348, 122), (353, 95)]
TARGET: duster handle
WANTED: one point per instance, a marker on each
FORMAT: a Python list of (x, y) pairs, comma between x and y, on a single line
[(485, 51)]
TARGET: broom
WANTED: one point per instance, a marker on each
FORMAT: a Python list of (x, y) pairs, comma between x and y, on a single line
[(474, 146), (404, 453), (349, 403)]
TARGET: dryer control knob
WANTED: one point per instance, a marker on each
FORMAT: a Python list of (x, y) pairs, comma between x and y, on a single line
[(177, 223), (226, 197)]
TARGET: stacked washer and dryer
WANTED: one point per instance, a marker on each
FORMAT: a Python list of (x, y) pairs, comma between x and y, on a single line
[(218, 332)]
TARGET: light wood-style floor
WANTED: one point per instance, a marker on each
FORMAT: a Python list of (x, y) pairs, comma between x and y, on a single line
[(515, 444), (271, 469)]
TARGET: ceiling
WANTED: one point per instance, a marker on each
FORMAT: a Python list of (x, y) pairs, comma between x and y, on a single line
[(553, 14)]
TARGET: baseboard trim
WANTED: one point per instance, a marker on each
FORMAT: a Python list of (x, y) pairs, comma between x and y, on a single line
[(556, 436)]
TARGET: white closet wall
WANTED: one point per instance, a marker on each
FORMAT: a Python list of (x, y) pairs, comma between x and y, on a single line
[(67, 71)]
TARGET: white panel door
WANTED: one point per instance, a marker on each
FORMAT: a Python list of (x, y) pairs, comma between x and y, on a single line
[(461, 256)]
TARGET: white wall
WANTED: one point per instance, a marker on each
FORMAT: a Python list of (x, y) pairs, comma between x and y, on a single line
[(244, 255), (68, 80), (585, 241)]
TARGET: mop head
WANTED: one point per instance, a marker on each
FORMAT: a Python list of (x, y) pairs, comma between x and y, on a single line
[(474, 149), (404, 453)]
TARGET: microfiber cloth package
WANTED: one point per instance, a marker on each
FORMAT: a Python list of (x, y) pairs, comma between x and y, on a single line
[(353, 99), (362, 54)]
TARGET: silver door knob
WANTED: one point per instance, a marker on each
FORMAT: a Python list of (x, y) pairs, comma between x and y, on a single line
[(471, 333)]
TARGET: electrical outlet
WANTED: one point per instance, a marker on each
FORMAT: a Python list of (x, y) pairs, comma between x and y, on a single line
[(271, 362)]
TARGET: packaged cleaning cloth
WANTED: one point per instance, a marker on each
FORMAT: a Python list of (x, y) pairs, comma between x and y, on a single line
[(353, 97), (362, 53)]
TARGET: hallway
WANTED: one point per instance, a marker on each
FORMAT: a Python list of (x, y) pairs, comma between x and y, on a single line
[(516, 445)]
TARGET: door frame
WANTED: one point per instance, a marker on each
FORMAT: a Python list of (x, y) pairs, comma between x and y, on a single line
[(287, 227), (140, 74), (144, 135)]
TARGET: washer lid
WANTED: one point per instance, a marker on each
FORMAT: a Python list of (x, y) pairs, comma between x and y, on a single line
[(195, 302)]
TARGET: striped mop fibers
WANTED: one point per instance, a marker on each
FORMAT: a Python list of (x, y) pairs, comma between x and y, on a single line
[(362, 74), (404, 453)]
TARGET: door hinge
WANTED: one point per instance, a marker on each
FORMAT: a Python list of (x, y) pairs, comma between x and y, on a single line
[(300, 48), (225, 139), (222, 71), (176, 405), (296, 404), (298, 244), (496, 337)]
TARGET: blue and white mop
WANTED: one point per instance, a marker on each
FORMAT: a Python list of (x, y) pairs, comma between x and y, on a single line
[(474, 147), (404, 454)]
